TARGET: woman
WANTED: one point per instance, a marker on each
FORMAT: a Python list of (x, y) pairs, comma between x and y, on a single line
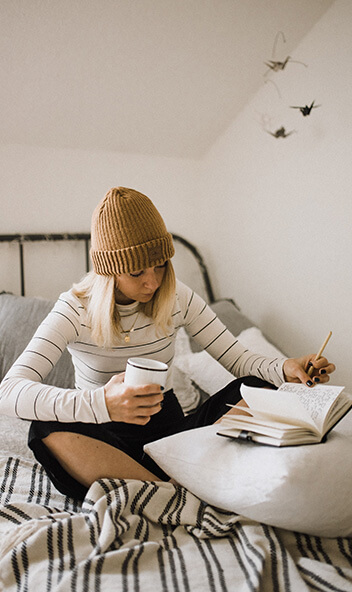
[(129, 305)]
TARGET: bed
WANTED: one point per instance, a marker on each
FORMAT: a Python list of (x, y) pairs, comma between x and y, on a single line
[(243, 517)]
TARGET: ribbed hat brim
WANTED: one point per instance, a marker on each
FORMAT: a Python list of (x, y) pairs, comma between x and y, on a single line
[(133, 258)]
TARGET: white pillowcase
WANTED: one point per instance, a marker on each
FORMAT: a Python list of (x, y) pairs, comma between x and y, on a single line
[(209, 375), (301, 488), (186, 391), (193, 371)]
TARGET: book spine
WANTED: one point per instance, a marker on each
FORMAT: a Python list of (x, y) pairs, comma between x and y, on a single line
[(245, 435)]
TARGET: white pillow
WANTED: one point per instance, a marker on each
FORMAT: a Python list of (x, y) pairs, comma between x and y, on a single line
[(185, 390), (301, 488), (209, 375), (254, 339)]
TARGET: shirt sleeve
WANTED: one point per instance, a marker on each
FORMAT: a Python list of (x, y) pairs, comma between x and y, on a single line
[(211, 334), (23, 392)]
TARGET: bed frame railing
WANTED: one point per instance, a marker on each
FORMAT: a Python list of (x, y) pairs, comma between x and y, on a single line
[(22, 239)]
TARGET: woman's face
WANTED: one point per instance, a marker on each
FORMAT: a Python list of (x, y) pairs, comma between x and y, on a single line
[(139, 286)]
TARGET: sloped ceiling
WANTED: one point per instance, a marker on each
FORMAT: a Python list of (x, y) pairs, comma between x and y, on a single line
[(159, 77)]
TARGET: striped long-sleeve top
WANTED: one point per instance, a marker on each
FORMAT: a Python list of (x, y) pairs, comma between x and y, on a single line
[(23, 392)]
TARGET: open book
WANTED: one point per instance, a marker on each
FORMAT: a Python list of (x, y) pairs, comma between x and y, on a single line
[(293, 414)]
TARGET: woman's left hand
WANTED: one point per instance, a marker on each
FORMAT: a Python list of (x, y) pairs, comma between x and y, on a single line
[(295, 370)]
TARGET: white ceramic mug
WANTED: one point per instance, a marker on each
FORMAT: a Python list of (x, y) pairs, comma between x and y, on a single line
[(144, 371)]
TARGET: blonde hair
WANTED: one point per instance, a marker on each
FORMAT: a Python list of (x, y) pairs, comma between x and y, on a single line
[(102, 311)]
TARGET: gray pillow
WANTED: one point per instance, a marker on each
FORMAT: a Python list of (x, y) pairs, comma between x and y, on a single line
[(232, 318), (19, 318)]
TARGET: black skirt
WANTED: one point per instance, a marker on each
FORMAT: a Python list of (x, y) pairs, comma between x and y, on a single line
[(131, 438)]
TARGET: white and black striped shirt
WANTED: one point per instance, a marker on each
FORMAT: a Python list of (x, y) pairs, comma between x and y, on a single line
[(24, 394)]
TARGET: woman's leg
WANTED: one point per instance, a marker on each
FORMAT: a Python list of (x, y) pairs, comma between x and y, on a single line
[(76, 454), (87, 459), (214, 408)]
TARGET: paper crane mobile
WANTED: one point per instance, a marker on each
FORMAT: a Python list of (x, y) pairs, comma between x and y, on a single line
[(281, 133), (276, 65), (306, 110)]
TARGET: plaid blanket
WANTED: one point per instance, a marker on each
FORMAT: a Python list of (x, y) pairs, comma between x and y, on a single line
[(145, 536)]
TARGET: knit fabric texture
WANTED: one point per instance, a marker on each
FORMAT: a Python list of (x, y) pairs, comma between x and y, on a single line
[(128, 234)]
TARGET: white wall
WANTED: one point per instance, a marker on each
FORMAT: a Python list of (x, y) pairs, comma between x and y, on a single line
[(54, 190), (51, 190), (272, 216), (284, 205)]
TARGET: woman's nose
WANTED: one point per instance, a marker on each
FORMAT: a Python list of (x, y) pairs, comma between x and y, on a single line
[(150, 279)]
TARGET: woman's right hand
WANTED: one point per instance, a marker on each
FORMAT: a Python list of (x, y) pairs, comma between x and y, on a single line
[(132, 404)]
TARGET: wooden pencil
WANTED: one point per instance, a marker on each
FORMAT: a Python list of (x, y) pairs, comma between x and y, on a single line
[(310, 370)]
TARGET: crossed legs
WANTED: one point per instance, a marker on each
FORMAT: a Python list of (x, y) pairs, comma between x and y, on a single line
[(87, 459)]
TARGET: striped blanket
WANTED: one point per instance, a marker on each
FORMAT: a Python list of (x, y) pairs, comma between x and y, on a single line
[(142, 536)]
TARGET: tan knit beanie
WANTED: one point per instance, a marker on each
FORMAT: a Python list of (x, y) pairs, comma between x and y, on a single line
[(128, 234)]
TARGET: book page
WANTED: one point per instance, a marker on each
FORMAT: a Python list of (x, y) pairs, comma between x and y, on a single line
[(261, 420), (276, 403), (317, 400)]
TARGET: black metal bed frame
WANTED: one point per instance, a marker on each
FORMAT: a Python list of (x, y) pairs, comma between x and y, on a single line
[(21, 239)]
